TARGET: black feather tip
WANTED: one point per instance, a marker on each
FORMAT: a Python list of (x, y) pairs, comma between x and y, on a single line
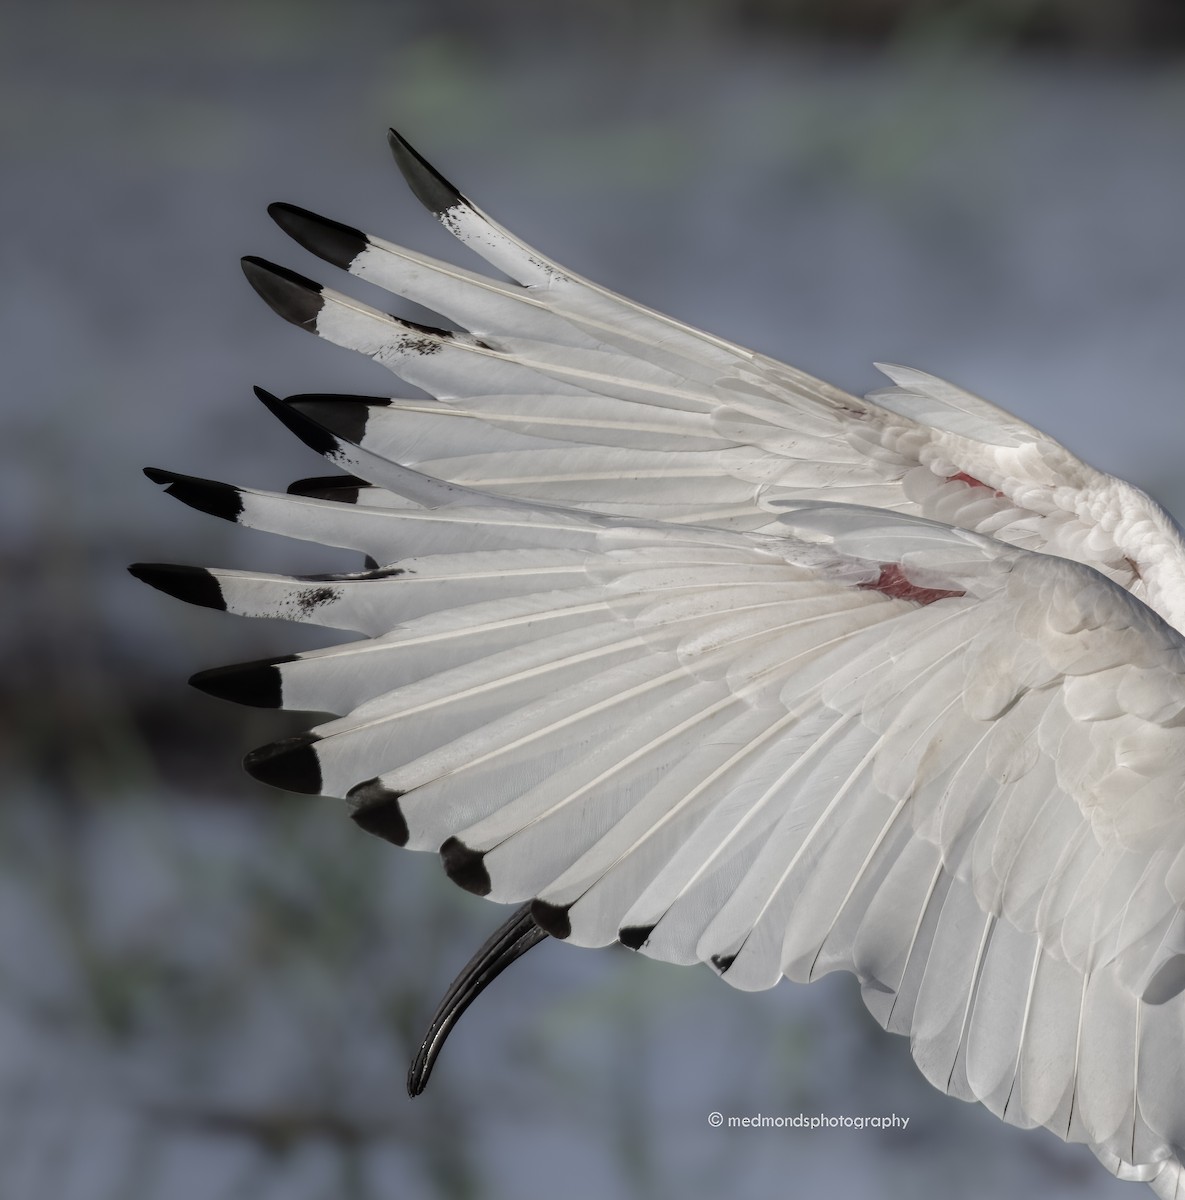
[(292, 296), (378, 811), (465, 867), (218, 499), (315, 436), (258, 684), (428, 185), (342, 488), (290, 764), (344, 416), (552, 918), (194, 585), (634, 936), (331, 240)]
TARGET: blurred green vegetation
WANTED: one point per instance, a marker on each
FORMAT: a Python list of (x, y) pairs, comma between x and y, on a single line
[(275, 30), (1099, 25)]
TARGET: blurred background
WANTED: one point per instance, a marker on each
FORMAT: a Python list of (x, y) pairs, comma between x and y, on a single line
[(211, 990)]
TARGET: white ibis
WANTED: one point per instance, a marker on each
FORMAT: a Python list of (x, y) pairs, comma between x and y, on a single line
[(677, 646)]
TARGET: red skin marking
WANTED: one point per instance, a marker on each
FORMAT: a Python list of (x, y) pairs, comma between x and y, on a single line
[(963, 477), (892, 583)]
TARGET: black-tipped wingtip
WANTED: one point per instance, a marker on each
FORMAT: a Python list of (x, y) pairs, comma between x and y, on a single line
[(378, 811), (342, 488), (331, 240), (634, 936), (340, 415), (268, 398), (291, 764), (552, 918), (428, 185), (258, 684), (206, 495), (313, 434), (465, 867), (291, 296), (194, 585)]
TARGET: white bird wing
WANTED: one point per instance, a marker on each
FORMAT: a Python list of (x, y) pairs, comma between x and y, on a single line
[(870, 742), (562, 391), (814, 736)]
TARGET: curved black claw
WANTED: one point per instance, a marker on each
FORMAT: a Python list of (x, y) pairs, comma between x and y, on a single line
[(511, 940)]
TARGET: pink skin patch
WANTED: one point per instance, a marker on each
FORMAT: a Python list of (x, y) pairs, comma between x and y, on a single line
[(892, 583), (963, 477)]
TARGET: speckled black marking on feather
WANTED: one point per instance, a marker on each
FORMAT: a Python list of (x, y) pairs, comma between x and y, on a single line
[(723, 961), (307, 602), (430, 342)]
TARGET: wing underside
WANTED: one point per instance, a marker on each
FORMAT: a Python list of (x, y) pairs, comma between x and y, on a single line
[(700, 654)]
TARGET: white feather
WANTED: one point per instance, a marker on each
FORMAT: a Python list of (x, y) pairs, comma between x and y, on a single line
[(705, 653)]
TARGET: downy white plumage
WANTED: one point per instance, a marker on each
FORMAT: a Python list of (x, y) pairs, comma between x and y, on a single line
[(692, 651)]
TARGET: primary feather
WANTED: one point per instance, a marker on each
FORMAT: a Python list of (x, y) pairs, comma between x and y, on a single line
[(701, 654)]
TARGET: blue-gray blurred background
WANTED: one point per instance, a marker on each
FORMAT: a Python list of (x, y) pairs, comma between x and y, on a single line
[(210, 990)]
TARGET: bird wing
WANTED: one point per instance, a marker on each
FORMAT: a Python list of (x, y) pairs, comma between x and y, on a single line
[(622, 654), (868, 742), (559, 390)]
